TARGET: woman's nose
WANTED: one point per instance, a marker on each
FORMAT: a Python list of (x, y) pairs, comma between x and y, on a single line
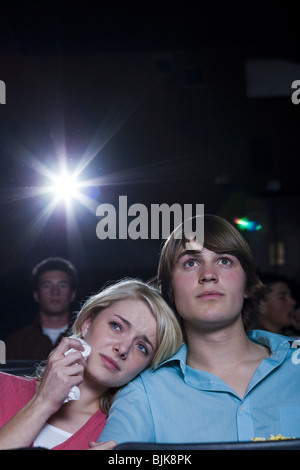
[(122, 350)]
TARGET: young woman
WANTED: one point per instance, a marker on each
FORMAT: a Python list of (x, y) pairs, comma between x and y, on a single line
[(128, 327)]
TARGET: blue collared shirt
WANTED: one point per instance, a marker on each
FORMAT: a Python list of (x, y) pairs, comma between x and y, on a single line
[(179, 404)]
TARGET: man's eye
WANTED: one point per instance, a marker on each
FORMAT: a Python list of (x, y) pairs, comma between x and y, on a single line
[(190, 263), (225, 261)]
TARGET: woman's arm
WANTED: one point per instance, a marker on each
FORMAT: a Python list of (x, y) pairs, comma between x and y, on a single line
[(61, 374)]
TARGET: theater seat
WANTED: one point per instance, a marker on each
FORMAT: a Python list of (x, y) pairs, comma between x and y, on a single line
[(20, 367), (289, 444)]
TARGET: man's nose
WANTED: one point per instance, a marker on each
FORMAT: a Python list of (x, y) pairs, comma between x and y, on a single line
[(293, 301), (207, 273)]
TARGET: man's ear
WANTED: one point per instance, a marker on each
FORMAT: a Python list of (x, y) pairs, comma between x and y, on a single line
[(36, 296)]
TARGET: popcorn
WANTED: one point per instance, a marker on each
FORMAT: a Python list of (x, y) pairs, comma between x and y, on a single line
[(279, 437)]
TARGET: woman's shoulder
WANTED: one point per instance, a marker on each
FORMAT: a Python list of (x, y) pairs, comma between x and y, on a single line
[(15, 382), (15, 392)]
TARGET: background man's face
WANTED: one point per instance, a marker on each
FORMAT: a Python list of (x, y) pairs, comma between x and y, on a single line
[(54, 293)]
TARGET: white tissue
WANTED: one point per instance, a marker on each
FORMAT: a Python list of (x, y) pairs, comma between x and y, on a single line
[(74, 393)]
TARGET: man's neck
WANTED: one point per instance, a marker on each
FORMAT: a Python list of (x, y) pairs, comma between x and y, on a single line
[(230, 355), (208, 350), (54, 321)]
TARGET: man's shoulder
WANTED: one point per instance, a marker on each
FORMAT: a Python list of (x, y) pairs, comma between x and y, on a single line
[(167, 369), (273, 340), (32, 328)]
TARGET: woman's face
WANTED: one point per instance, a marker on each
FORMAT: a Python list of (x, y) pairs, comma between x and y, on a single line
[(123, 340)]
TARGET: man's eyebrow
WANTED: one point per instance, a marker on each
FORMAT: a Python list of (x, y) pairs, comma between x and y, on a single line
[(284, 291), (143, 337), (188, 252)]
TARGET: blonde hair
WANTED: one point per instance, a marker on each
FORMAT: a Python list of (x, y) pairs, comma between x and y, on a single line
[(169, 334)]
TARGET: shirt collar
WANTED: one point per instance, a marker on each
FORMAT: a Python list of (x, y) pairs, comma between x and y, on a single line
[(278, 345), (179, 357)]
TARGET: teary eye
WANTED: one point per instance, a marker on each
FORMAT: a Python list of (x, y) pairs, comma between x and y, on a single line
[(142, 348), (115, 325)]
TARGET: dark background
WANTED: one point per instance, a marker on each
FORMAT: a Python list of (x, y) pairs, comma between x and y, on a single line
[(165, 102)]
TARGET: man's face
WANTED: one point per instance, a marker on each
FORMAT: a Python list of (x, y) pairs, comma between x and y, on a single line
[(279, 305), (54, 293), (209, 288)]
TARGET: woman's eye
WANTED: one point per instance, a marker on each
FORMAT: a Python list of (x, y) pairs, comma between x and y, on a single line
[(142, 348), (115, 326)]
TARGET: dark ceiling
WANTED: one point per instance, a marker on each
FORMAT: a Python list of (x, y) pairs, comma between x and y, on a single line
[(153, 95)]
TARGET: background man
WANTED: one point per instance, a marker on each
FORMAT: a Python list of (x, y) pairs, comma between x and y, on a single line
[(276, 310), (54, 289)]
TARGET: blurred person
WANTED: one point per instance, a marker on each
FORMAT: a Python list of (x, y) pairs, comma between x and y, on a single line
[(276, 310), (128, 327), (226, 383), (54, 289), (294, 330)]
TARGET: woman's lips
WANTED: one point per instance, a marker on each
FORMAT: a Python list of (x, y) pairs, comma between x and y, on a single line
[(109, 362)]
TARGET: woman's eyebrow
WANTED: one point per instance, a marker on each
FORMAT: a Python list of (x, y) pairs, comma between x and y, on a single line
[(124, 320), (147, 340), (129, 325)]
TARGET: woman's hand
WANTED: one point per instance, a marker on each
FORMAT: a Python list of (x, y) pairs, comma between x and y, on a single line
[(109, 445), (61, 374)]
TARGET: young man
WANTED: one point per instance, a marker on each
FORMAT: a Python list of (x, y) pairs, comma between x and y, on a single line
[(54, 289), (223, 384), (277, 309)]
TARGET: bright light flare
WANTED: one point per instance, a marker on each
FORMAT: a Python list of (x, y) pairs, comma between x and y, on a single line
[(249, 225), (66, 187)]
